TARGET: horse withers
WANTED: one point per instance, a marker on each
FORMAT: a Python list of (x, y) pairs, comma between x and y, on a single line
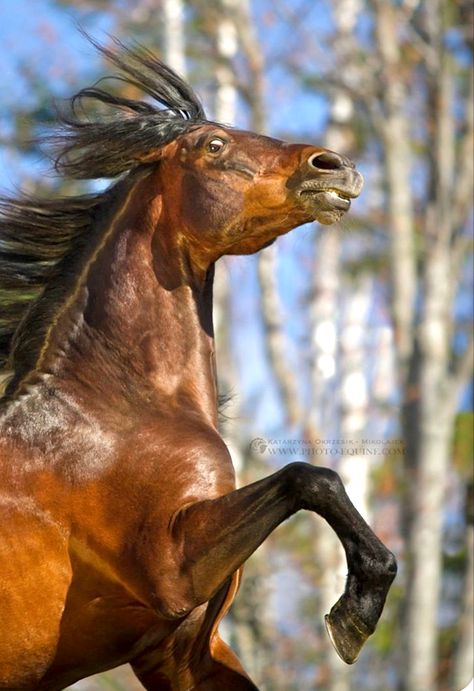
[(122, 532)]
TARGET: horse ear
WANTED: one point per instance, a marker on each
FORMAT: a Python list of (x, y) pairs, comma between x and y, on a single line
[(156, 154), (157, 138), (153, 156)]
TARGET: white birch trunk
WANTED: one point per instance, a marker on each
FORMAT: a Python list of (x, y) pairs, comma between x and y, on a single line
[(425, 549), (355, 468), (322, 425), (323, 325), (424, 354), (398, 162), (226, 44), (429, 483), (464, 659), (352, 395), (174, 42)]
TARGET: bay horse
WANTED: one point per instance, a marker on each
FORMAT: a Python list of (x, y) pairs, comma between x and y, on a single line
[(122, 532)]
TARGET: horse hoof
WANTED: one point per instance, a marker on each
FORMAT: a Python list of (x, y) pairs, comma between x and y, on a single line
[(347, 633)]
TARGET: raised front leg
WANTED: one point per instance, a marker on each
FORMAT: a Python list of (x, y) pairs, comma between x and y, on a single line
[(215, 538)]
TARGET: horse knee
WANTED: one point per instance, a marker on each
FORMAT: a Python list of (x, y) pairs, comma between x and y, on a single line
[(313, 487), (387, 566)]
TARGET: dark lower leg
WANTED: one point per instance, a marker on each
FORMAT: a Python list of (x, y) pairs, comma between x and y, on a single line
[(217, 536), (371, 568)]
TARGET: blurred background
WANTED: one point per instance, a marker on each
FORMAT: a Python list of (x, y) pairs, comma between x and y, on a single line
[(348, 346)]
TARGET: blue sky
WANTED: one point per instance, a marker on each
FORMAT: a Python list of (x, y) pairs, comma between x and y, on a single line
[(45, 44)]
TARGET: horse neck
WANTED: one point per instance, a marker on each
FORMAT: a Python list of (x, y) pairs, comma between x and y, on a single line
[(138, 330)]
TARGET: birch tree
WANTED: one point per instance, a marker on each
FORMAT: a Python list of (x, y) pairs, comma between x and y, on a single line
[(424, 287), (416, 92)]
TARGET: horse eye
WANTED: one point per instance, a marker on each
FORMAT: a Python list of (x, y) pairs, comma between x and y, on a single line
[(215, 145)]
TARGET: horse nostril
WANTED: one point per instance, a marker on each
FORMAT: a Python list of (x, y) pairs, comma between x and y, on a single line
[(327, 160)]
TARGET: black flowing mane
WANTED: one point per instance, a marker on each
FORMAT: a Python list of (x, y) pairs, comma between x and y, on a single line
[(41, 239)]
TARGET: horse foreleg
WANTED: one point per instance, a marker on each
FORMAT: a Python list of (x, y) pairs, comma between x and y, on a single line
[(218, 670), (225, 672), (194, 657), (215, 537)]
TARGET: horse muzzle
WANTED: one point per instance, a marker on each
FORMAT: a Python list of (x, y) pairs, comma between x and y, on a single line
[(328, 196)]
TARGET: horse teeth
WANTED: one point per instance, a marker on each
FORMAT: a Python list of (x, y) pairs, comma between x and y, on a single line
[(337, 195)]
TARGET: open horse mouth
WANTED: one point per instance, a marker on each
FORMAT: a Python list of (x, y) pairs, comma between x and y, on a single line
[(336, 198)]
